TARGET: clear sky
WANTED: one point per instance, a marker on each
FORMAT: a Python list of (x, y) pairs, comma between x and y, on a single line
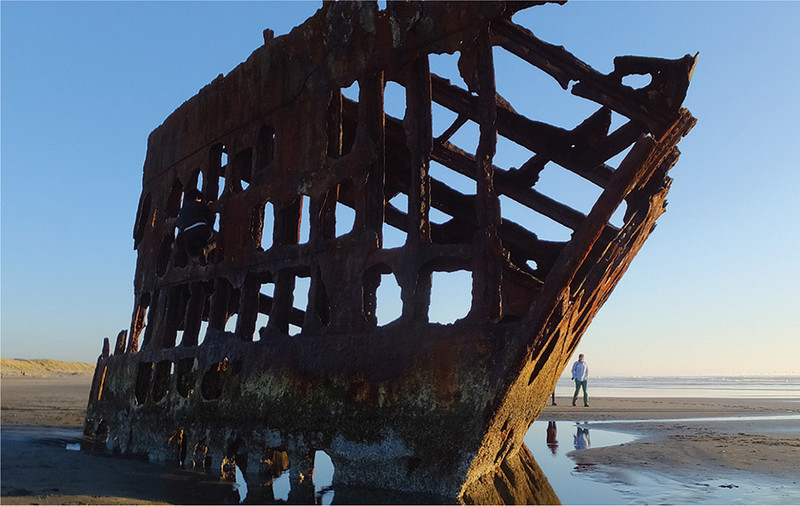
[(715, 290)]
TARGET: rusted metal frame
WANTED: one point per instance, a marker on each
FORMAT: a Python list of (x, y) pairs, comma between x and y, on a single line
[(317, 313), (175, 313), (554, 60), (354, 252), (370, 207), (552, 314), (659, 101), (669, 140), (506, 184), (143, 213), (611, 259), (119, 347), (524, 243), (592, 145), (488, 262), (265, 303), (323, 209), (564, 67), (319, 304), (248, 309), (541, 138), (138, 321), (641, 162), (238, 169), (461, 207), (194, 313), (454, 203), (287, 261), (396, 137), (662, 156), (95, 391), (396, 218), (460, 121), (458, 205), (256, 214), (553, 300), (631, 169), (415, 283), (286, 231), (514, 237), (419, 132), (220, 304), (206, 160), (428, 252), (642, 197), (590, 295), (614, 143), (282, 311), (322, 217), (408, 269), (369, 137), (214, 171), (552, 142), (528, 173), (153, 319), (323, 224)]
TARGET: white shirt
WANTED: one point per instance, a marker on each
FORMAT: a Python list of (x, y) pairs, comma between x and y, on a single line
[(580, 371)]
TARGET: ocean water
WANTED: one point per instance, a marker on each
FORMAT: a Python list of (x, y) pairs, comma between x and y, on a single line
[(751, 387)]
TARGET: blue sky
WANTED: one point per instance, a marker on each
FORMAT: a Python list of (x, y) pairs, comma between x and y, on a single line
[(715, 290)]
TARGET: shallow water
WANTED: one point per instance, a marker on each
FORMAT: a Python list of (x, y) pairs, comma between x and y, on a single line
[(586, 485), (569, 481), (573, 484)]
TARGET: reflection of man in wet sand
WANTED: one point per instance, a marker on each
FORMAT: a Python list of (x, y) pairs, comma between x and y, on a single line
[(552, 443), (582, 439)]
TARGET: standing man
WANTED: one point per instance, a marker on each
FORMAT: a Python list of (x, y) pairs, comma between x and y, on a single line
[(580, 373)]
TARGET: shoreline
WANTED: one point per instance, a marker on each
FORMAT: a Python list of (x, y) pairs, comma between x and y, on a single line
[(645, 408), (744, 439)]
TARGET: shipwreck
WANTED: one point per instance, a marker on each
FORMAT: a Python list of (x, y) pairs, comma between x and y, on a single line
[(226, 363)]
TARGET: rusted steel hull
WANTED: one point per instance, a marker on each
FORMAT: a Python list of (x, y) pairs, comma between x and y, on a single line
[(411, 405)]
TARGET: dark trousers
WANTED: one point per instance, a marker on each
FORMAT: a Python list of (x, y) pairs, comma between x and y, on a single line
[(198, 241), (578, 386)]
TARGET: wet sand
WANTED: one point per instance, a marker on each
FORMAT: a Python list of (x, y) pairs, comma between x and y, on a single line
[(48, 411), (54, 400), (694, 440), (41, 415)]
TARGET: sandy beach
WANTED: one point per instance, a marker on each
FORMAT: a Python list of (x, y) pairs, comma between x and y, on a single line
[(675, 438)]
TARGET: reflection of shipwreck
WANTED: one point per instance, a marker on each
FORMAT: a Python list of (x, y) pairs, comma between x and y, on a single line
[(410, 405)]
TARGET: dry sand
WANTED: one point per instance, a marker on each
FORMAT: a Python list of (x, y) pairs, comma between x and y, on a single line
[(45, 473)]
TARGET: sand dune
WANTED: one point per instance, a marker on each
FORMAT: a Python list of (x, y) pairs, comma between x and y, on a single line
[(42, 367)]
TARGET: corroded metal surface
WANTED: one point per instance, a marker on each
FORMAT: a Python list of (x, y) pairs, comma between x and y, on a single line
[(410, 405)]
